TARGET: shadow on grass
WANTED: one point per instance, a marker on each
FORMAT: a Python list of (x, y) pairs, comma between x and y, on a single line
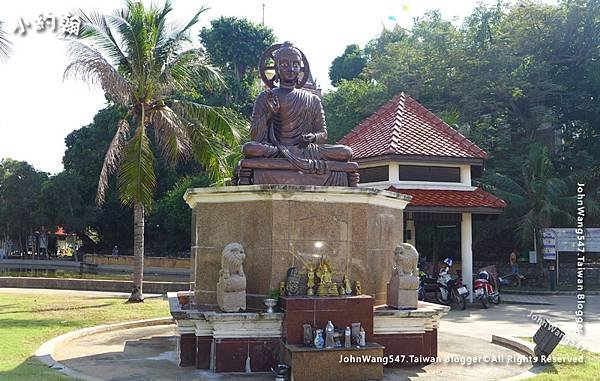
[(32, 369), (57, 309), (36, 324)]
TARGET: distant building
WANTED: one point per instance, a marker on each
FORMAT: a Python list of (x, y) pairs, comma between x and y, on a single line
[(405, 148)]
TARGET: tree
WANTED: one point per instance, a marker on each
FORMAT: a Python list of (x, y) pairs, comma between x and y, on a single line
[(138, 59), (536, 199), (170, 221), (509, 76), (235, 46), (349, 104), (347, 66), (4, 44), (62, 203), (20, 191)]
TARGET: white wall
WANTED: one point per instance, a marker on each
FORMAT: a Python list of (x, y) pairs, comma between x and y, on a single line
[(393, 177)]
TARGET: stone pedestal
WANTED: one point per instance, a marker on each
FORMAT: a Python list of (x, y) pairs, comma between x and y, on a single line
[(402, 299), (231, 301), (310, 364), (280, 226), (409, 332), (316, 311), (225, 340)]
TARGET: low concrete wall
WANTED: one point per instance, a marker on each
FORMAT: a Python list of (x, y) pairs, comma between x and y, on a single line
[(124, 260), (90, 284), (39, 263)]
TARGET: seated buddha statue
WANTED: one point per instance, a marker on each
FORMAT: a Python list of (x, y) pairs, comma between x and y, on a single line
[(288, 121)]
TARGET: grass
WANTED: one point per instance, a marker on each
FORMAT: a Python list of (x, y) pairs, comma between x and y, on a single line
[(589, 370), (27, 320)]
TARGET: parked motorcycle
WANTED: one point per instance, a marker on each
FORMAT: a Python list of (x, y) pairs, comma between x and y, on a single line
[(427, 284), (451, 290), (484, 290)]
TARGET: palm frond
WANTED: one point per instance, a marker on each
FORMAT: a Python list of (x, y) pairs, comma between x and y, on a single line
[(221, 121), (505, 188), (89, 65), (95, 27), (5, 49), (526, 226), (120, 20), (214, 132), (137, 180), (504, 183), (190, 68), (556, 187), (169, 44), (171, 134), (112, 159)]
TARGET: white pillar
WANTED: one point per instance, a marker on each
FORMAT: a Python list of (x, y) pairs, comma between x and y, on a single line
[(393, 173), (410, 225), (465, 174), (466, 252)]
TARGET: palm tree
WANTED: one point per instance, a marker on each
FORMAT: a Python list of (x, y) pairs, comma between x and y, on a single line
[(139, 61), (4, 44), (536, 199)]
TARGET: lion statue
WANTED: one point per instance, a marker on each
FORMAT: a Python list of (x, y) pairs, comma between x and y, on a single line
[(231, 287), (403, 286), (406, 259)]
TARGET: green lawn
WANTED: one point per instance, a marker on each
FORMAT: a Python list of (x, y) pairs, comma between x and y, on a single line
[(28, 320), (588, 371)]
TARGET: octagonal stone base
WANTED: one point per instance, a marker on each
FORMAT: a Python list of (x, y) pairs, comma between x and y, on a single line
[(354, 229)]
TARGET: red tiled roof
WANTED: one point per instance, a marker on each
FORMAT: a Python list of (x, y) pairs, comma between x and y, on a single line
[(477, 198), (403, 126)]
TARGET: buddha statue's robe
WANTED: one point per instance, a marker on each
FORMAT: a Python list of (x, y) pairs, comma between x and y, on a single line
[(280, 135)]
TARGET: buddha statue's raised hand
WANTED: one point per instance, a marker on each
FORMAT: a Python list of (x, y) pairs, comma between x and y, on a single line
[(273, 104)]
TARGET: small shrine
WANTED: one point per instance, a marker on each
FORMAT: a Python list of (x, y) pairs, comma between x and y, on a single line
[(295, 266)]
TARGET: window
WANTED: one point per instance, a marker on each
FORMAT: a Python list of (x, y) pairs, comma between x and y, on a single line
[(373, 174), (426, 173)]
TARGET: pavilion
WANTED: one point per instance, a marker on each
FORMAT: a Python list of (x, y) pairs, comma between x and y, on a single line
[(405, 148)]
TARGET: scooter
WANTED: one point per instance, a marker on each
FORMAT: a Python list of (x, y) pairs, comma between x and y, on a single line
[(451, 291), (427, 284), (484, 290)]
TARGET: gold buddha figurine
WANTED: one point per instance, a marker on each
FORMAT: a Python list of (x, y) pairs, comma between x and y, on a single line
[(310, 282), (357, 288), (281, 288), (347, 285), (326, 286)]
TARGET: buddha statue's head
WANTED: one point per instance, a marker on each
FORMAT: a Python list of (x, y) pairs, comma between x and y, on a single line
[(288, 64)]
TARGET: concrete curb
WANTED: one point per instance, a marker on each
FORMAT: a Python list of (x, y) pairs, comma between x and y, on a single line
[(45, 353), (550, 293), (515, 344), (525, 303), (520, 346)]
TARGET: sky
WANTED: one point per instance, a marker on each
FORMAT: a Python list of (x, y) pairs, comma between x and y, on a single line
[(38, 109)]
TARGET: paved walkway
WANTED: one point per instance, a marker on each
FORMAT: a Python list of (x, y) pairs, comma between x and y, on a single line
[(150, 354), (526, 299), (515, 319)]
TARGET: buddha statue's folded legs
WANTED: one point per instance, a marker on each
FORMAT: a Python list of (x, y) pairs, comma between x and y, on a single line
[(255, 149), (335, 152), (312, 151)]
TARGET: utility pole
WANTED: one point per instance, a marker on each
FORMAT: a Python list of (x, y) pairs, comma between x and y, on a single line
[(263, 13)]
